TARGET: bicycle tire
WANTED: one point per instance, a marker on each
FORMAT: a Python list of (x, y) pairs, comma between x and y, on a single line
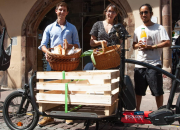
[(178, 107), (20, 120)]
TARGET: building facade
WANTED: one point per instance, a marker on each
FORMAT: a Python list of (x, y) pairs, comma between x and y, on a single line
[(26, 20)]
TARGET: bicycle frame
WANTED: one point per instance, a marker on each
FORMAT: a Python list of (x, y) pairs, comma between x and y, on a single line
[(173, 77), (119, 110)]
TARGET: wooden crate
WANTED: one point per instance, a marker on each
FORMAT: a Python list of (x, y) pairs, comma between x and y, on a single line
[(94, 88)]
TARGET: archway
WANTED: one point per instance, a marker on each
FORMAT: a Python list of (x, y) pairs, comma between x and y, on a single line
[(3, 74), (41, 8), (127, 14)]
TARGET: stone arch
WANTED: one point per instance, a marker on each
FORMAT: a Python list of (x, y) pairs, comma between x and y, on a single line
[(29, 35), (128, 18), (3, 74), (2, 23)]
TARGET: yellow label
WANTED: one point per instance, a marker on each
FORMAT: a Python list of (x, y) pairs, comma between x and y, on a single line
[(143, 34)]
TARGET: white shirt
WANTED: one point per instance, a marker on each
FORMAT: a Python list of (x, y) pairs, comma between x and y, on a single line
[(155, 35)]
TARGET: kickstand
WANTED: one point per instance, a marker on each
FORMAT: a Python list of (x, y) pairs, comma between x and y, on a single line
[(97, 125), (87, 124)]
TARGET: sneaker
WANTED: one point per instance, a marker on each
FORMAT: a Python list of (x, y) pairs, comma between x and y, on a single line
[(69, 122), (46, 121)]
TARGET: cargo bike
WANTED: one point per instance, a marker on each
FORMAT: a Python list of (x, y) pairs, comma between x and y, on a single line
[(21, 111)]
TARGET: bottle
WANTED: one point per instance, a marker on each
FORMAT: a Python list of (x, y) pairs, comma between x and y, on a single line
[(143, 36)]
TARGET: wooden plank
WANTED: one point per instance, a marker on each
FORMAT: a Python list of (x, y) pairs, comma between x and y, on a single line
[(47, 106), (83, 98), (63, 92), (59, 81), (40, 91), (101, 74), (109, 110), (74, 103), (76, 86), (99, 110), (99, 81), (114, 97)]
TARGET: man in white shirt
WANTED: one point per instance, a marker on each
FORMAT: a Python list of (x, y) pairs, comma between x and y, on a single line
[(157, 38)]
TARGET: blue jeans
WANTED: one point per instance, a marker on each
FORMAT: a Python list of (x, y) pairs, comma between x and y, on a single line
[(89, 66)]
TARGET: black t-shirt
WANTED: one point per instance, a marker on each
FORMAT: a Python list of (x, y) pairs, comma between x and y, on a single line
[(98, 31)]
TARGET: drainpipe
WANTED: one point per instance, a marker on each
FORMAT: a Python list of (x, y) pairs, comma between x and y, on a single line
[(167, 54)]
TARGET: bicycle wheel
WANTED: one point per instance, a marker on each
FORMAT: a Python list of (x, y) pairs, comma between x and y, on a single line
[(178, 107), (25, 119)]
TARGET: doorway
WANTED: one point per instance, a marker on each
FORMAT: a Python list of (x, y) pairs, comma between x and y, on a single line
[(83, 14)]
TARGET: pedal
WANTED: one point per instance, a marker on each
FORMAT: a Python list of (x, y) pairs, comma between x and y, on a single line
[(161, 117), (174, 117), (77, 115)]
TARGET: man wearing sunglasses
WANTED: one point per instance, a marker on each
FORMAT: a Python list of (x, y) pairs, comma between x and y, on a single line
[(157, 38)]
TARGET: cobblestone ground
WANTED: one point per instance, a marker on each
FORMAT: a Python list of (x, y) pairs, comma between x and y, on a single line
[(148, 103)]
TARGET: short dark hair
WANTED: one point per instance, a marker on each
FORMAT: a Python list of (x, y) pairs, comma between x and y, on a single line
[(148, 5), (62, 4)]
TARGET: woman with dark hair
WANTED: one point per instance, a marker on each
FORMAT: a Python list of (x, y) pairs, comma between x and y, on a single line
[(100, 31)]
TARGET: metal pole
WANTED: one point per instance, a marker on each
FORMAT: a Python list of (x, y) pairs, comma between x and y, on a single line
[(82, 34), (104, 4)]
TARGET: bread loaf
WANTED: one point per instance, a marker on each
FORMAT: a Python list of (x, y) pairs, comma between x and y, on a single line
[(58, 49)]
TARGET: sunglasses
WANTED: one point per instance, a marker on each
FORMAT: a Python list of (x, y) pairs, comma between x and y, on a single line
[(143, 12)]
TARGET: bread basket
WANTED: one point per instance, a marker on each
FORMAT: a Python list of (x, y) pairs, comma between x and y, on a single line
[(63, 62), (107, 57)]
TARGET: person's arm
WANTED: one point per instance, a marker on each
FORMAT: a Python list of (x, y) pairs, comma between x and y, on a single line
[(165, 43), (45, 39), (137, 45), (75, 39), (94, 42), (44, 49)]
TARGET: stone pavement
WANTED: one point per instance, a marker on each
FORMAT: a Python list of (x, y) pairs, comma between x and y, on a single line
[(148, 104)]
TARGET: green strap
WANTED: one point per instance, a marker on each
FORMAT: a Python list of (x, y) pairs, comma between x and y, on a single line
[(66, 93), (75, 108), (63, 74), (66, 97)]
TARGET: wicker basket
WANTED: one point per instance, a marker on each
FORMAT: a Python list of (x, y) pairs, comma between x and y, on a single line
[(107, 57), (63, 63)]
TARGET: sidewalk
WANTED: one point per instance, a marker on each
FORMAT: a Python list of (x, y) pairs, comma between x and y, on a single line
[(148, 104)]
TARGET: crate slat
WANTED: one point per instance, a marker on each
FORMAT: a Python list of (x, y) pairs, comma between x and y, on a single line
[(79, 86), (97, 74), (84, 98)]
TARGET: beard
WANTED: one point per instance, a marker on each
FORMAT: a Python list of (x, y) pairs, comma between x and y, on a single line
[(146, 21)]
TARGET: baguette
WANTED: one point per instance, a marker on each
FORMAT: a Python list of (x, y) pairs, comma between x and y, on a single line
[(65, 45), (63, 51)]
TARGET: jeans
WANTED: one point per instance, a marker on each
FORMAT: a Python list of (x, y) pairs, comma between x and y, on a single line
[(89, 66)]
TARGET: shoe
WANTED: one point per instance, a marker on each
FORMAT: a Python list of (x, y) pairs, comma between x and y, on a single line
[(46, 121), (69, 122)]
